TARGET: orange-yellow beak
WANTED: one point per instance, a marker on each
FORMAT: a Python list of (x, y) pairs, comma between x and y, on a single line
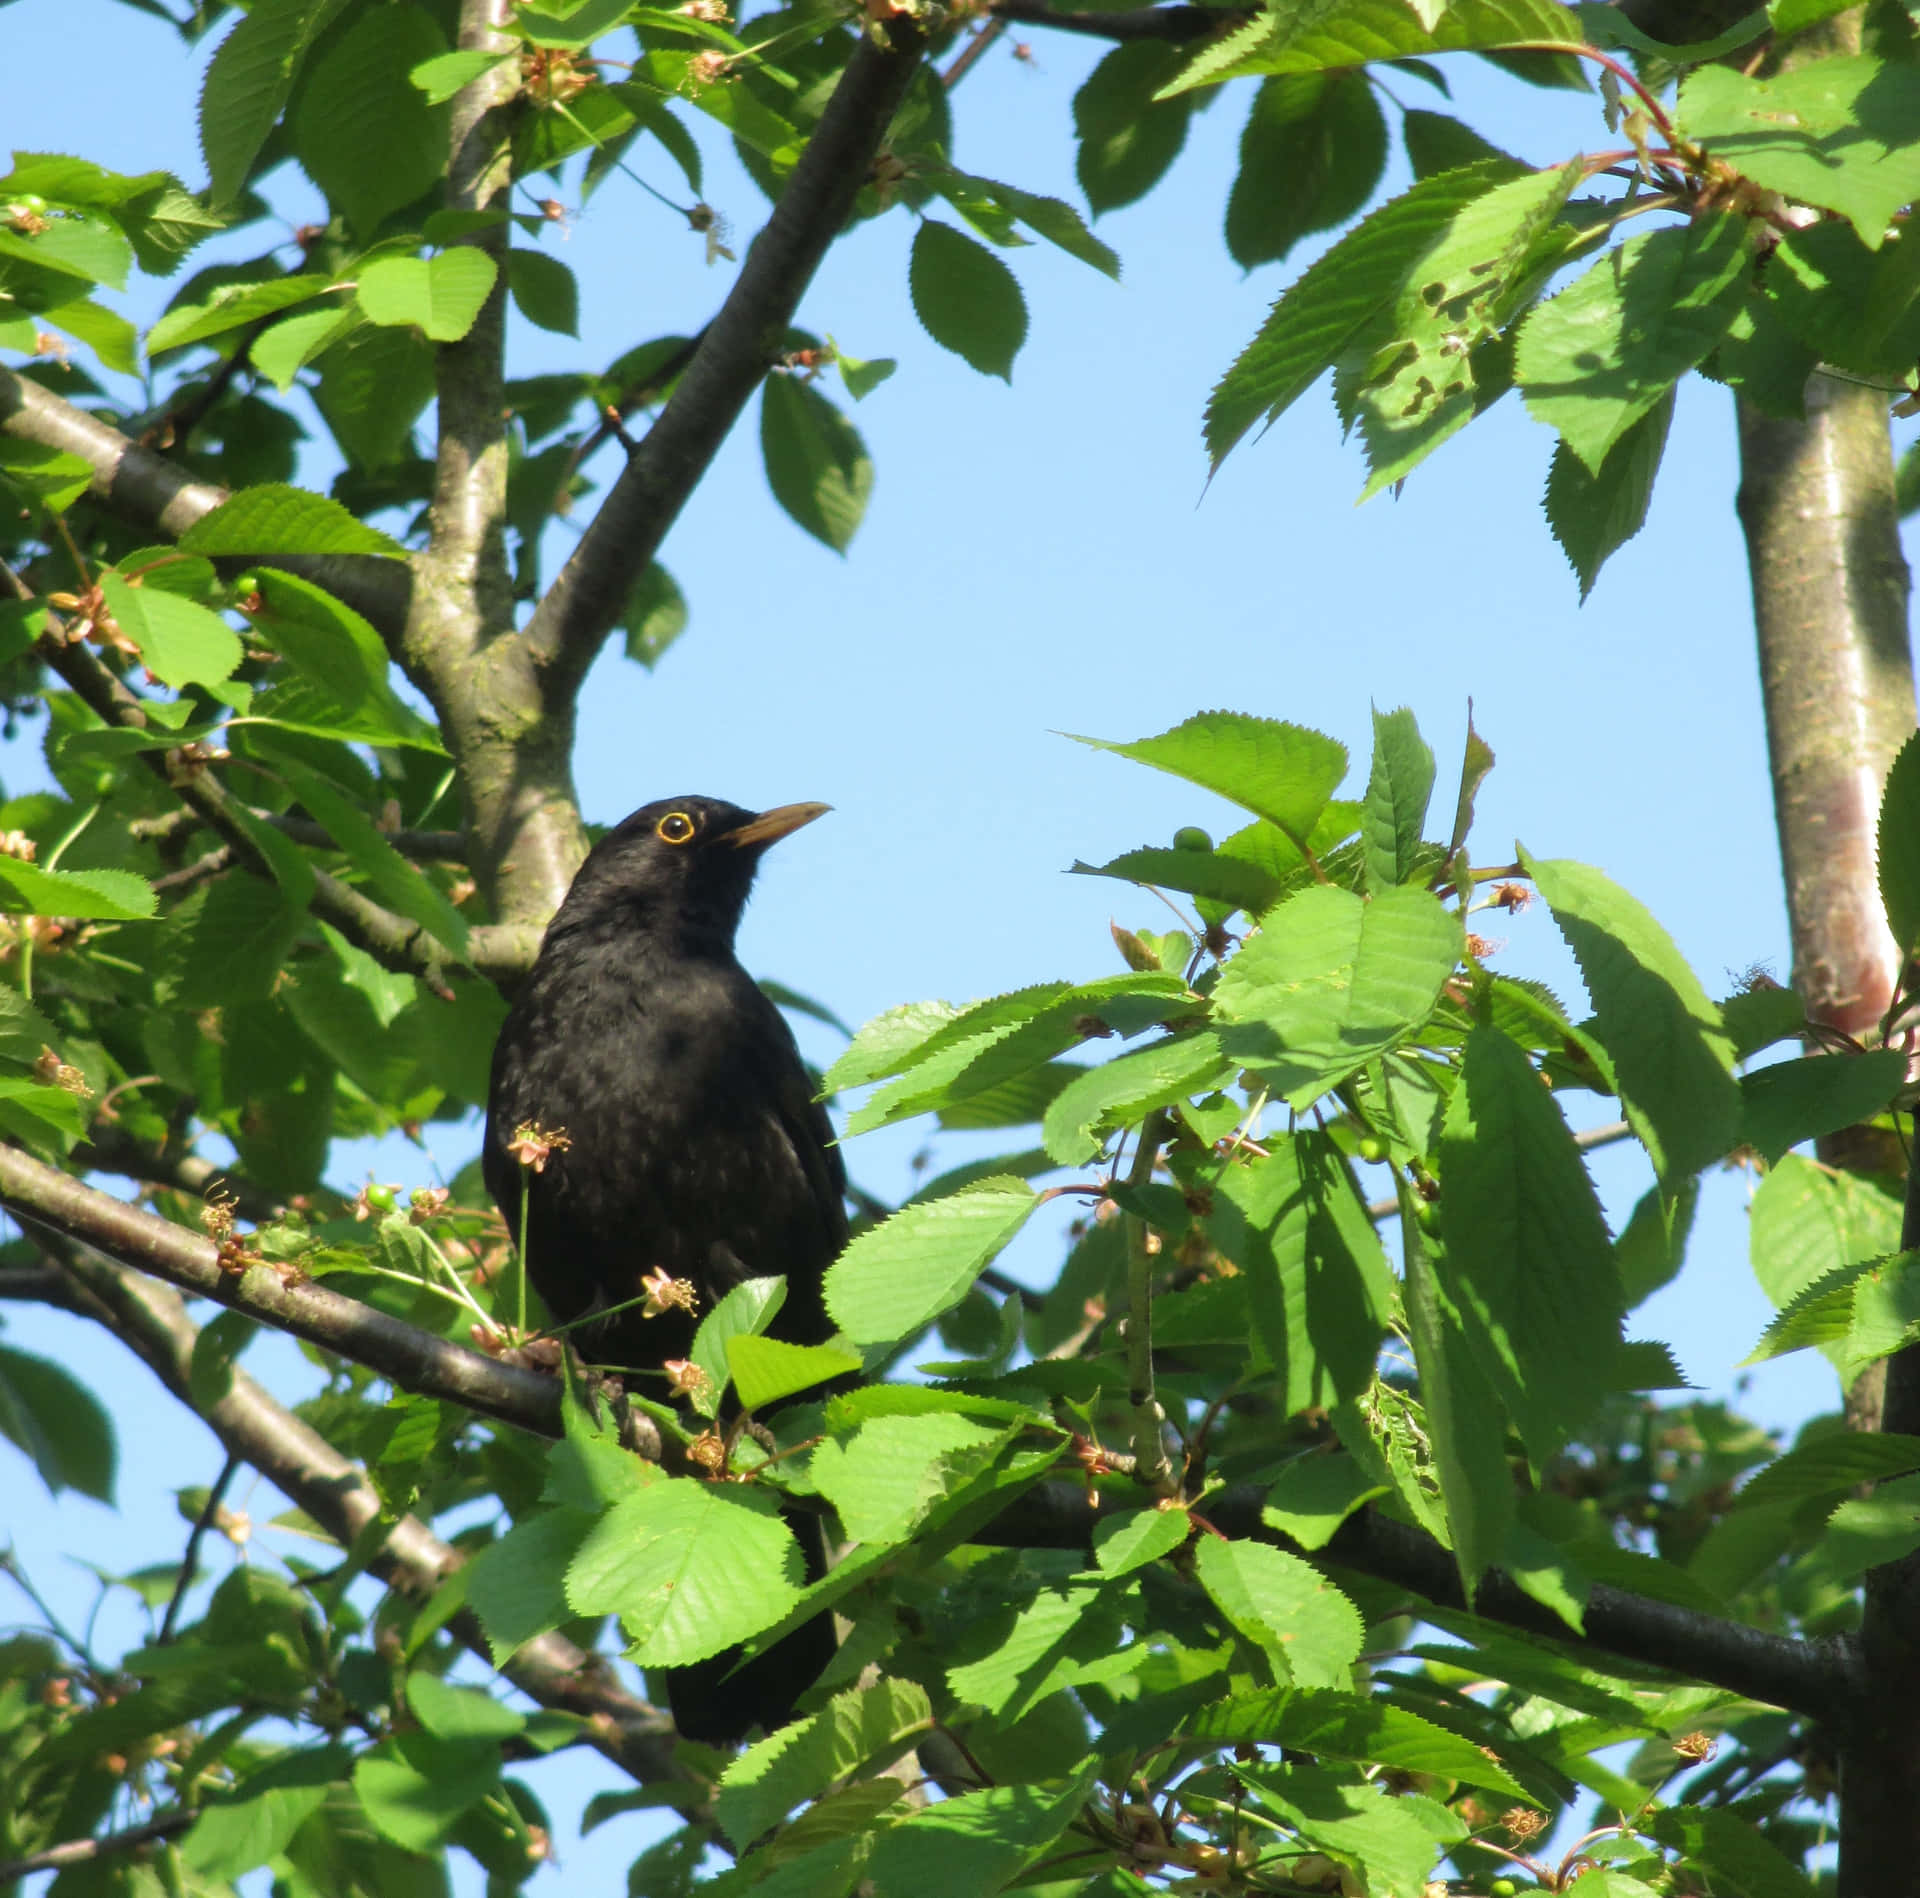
[(770, 826)]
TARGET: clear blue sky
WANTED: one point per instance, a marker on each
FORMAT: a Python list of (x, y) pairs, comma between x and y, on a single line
[(1045, 559)]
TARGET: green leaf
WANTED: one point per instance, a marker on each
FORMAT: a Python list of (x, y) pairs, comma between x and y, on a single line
[(1059, 223), (570, 26), (373, 384), (1720, 1842), (1528, 1262), (1792, 1101), (253, 1823), (886, 1477), (1128, 137), (1009, 1039), (655, 616), (328, 643), (1836, 132), (1830, 1466), (1331, 982), (515, 1585), (417, 1788), (76, 244), (1865, 1531), (1328, 35), (49, 475), (1314, 1494), (1671, 1054), (972, 1845), (440, 295), (861, 1731), (1365, 1730), (817, 465), (108, 895), (1806, 1219), (281, 352), (278, 519), (1439, 358), (689, 1567), (1118, 1092), (248, 82), (232, 306), (1899, 846), (1594, 512), (966, 298), (1394, 1838), (48, 1414), (766, 1369), (1852, 307), (447, 73), (363, 132), (460, 1713), (180, 642), (899, 1276), (887, 1044), (1311, 154), (1437, 142), (1309, 1630), (389, 875), (1281, 772), (544, 290), (1341, 298), (746, 1310), (1317, 1279), (1650, 1251), (1126, 1542), (1462, 1419), (1595, 359), (1398, 789)]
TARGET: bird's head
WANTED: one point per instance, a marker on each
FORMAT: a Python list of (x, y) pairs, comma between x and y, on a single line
[(684, 863)]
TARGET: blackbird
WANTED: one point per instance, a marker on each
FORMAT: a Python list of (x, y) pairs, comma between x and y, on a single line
[(693, 1144)]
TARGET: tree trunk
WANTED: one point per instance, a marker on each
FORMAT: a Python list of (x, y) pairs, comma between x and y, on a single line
[(1830, 611)]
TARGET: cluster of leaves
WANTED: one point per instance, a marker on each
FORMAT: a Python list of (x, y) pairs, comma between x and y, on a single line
[(1129, 1694)]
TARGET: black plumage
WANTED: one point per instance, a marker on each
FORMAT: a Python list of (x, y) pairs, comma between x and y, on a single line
[(694, 1144)]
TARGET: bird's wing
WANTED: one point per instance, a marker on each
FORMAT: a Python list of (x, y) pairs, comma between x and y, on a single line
[(809, 1133)]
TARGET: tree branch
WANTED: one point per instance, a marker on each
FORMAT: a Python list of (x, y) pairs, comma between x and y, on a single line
[(298, 1461), (586, 600), (1177, 23), (1824, 1679), (151, 492), (84, 1851), (415, 1360)]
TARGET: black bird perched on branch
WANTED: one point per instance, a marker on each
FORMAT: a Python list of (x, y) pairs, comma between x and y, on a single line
[(693, 1142)]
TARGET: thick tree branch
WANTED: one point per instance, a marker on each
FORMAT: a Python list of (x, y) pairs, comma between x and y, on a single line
[(1824, 1679), (1177, 23), (739, 346), (514, 744), (148, 491), (151, 1321)]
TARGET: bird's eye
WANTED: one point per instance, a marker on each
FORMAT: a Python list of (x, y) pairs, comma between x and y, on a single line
[(674, 828)]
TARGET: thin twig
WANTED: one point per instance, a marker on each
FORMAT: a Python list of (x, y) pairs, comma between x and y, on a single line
[(190, 1562), (84, 1851), (1586, 1140), (1149, 1420)]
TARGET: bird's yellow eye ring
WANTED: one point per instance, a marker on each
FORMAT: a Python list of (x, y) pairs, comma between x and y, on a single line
[(675, 828)]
